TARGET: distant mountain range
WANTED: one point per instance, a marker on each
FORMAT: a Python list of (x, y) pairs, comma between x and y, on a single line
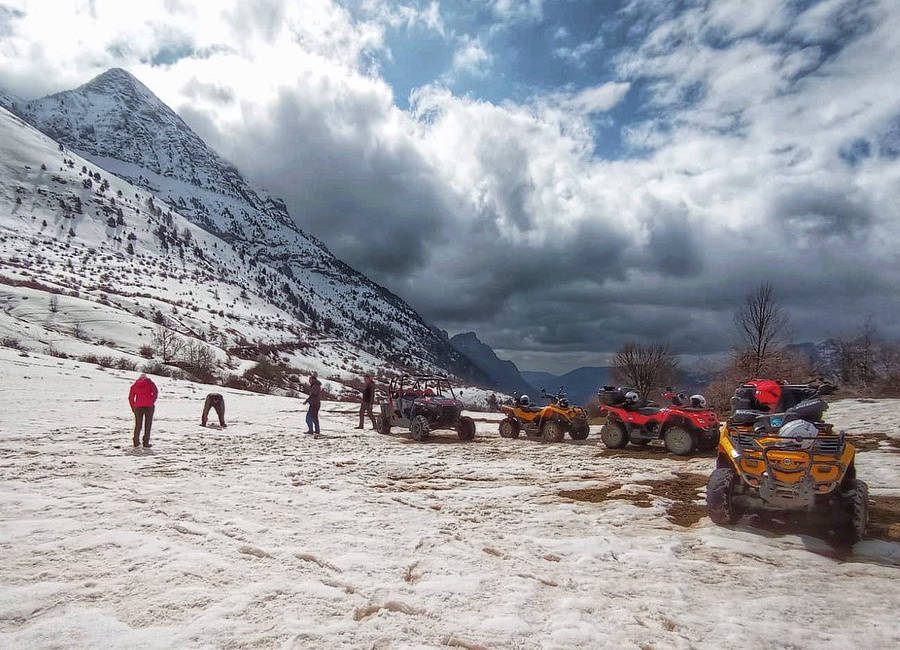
[(580, 384), (504, 375)]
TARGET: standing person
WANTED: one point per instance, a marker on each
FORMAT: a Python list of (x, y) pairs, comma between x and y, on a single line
[(142, 398), (365, 407), (315, 401), (217, 402)]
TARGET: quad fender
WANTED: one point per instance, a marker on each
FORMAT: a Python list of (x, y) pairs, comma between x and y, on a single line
[(723, 461), (677, 421)]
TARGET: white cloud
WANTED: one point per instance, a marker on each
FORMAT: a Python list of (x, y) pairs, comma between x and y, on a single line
[(513, 10), (471, 57), (600, 98), (578, 53)]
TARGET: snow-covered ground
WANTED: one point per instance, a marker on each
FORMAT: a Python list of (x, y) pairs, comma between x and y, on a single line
[(257, 536)]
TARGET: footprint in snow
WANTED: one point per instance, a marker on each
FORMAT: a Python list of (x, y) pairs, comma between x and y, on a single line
[(254, 551)]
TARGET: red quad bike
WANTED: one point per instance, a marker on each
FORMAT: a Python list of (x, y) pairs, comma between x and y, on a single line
[(684, 426)]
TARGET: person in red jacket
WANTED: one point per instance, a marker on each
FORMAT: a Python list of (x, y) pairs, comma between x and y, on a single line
[(142, 399)]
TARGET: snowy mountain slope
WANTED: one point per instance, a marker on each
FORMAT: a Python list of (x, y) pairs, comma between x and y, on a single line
[(120, 265), (8, 101), (120, 125), (248, 537)]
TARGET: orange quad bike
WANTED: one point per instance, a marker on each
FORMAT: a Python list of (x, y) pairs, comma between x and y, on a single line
[(787, 461), (550, 423)]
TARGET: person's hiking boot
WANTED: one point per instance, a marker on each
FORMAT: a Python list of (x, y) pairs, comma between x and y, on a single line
[(147, 445), (359, 427), (137, 443)]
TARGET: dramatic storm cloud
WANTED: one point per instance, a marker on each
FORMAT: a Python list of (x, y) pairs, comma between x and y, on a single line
[(557, 177)]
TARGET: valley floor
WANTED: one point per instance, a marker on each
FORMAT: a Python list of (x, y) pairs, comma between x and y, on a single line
[(257, 536)]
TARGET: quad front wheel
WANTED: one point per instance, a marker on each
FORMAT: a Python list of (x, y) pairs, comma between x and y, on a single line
[(509, 428), (465, 428), (679, 441), (580, 431), (552, 432), (382, 425), (720, 496), (856, 506), (613, 435), (419, 428)]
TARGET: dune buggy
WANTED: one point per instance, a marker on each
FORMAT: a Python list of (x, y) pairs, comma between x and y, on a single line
[(422, 404), (682, 428), (767, 463), (550, 422)]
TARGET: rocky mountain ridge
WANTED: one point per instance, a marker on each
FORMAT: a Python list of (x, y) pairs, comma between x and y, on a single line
[(119, 125)]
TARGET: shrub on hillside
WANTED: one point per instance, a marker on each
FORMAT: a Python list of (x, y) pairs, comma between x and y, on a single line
[(11, 342), (124, 363)]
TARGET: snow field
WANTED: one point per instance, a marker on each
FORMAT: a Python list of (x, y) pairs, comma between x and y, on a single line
[(258, 536)]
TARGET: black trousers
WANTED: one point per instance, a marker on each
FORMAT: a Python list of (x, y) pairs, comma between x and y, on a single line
[(143, 416), (365, 408), (217, 402)]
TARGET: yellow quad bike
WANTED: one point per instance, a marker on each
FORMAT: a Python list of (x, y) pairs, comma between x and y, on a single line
[(550, 422), (789, 461)]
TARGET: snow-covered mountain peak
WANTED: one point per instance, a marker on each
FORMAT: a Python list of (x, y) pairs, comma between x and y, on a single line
[(118, 124)]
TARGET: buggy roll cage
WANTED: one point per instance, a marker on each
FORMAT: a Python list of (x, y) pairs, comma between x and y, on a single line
[(417, 385)]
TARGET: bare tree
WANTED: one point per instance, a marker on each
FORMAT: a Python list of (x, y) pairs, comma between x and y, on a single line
[(645, 367), (761, 325), (200, 359), (167, 343), (859, 355)]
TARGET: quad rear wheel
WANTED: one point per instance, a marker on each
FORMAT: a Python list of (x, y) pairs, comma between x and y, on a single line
[(419, 428), (509, 428), (465, 428), (720, 496), (580, 431), (613, 435), (552, 431), (680, 441)]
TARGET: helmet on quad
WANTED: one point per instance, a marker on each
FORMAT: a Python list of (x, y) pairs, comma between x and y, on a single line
[(632, 398), (524, 400), (798, 430), (698, 401)]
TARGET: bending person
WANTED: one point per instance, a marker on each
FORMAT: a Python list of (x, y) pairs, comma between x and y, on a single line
[(217, 402)]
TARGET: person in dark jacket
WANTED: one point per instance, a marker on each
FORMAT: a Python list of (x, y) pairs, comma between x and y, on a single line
[(315, 401), (142, 398), (368, 397), (217, 402)]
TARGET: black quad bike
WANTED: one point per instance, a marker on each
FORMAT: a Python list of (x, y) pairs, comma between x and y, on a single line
[(423, 403)]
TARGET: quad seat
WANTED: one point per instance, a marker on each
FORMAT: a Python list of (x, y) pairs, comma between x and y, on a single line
[(530, 409), (746, 417), (648, 410)]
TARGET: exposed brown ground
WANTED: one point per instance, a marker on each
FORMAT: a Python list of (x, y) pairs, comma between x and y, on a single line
[(681, 491)]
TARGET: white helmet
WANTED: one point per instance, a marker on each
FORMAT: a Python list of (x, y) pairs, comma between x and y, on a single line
[(698, 401), (524, 400), (631, 397), (799, 430)]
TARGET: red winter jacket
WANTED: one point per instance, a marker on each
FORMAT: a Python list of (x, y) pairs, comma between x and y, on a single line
[(143, 393)]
